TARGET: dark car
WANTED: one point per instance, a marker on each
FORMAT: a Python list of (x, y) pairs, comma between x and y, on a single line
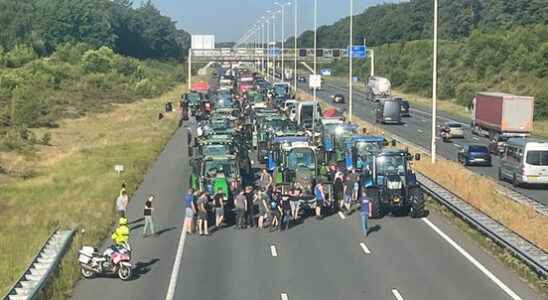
[(338, 98), (474, 155), (404, 108)]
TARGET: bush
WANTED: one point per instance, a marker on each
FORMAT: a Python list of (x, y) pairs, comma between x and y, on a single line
[(465, 92), (145, 88), (98, 61), (19, 56), (46, 139)]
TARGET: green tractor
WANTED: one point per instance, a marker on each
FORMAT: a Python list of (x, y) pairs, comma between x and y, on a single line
[(392, 185), (213, 173), (193, 100), (267, 127), (294, 161)]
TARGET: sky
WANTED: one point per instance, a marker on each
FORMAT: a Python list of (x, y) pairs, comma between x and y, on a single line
[(228, 20)]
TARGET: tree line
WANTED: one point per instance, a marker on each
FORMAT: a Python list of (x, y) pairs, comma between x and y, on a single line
[(45, 24)]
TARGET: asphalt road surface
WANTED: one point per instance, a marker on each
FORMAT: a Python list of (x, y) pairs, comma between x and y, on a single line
[(402, 258), (417, 129)]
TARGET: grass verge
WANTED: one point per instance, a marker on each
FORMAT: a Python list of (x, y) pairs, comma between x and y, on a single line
[(477, 190), (75, 184)]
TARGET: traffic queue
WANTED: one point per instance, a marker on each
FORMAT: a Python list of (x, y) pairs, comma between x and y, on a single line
[(273, 159)]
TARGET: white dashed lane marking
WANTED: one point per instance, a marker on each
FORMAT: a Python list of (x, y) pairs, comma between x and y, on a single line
[(273, 251), (284, 296), (365, 249), (397, 294), (342, 215)]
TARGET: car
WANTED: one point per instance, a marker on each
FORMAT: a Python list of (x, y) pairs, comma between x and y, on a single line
[(474, 155), (338, 98), (301, 79), (404, 108), (455, 129)]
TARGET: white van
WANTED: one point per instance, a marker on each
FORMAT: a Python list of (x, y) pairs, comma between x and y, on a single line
[(525, 161)]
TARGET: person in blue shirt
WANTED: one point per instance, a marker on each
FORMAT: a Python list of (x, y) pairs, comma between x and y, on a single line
[(190, 211), (365, 209), (320, 198)]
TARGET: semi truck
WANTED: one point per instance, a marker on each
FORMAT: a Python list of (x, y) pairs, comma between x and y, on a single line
[(377, 87), (502, 114)]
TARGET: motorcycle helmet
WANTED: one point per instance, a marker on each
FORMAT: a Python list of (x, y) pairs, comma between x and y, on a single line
[(122, 221)]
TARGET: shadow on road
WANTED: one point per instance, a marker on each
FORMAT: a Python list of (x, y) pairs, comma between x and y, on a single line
[(373, 229), (136, 221), (160, 232), (136, 227), (141, 268)]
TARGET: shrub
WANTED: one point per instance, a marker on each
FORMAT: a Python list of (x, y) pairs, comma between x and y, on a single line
[(71, 53), (98, 61), (46, 139), (19, 56), (145, 88)]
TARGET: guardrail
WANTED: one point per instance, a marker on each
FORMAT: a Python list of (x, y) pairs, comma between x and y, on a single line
[(520, 247), (44, 263)]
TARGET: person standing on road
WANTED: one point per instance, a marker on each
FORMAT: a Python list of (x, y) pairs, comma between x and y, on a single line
[(348, 191), (365, 209), (286, 210), (262, 197), (354, 177), (250, 207), (190, 211), (338, 190), (149, 224), (202, 214), (295, 201), (265, 180), (121, 204), (275, 210), (320, 198), (240, 204), (219, 206)]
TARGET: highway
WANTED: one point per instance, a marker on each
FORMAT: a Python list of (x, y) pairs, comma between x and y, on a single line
[(402, 258), (417, 129)]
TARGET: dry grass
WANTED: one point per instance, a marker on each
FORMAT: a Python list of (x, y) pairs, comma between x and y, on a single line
[(478, 191), (75, 184)]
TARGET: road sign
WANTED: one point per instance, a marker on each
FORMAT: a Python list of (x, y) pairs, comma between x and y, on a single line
[(358, 51), (203, 41), (315, 81)]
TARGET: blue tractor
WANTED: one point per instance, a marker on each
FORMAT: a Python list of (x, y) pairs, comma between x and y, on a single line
[(391, 184)]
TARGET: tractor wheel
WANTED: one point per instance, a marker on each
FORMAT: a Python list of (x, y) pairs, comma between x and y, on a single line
[(376, 210), (416, 200)]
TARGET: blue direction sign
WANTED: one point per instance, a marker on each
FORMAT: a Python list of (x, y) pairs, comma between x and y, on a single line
[(358, 51), (274, 51)]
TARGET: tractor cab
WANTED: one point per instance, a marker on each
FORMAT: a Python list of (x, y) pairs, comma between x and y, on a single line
[(212, 173), (362, 150)]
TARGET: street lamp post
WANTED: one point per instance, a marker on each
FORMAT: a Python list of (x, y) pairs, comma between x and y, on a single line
[(315, 43), (350, 54), (282, 6), (295, 54), (434, 81), (274, 46)]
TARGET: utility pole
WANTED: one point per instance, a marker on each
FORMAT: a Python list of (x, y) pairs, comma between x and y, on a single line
[(372, 62), (189, 79), (315, 43), (295, 46), (350, 54), (434, 81)]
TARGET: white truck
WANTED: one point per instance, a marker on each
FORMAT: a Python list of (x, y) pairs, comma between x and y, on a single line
[(377, 87)]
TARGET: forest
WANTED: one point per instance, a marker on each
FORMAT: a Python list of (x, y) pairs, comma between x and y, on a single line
[(490, 45), (65, 58)]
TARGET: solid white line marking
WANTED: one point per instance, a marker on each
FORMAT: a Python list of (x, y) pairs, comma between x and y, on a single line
[(176, 266), (365, 249), (342, 215), (273, 251), (476, 263), (397, 294), (284, 296), (420, 130)]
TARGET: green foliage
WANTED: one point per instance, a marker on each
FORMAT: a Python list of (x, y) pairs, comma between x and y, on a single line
[(46, 139), (98, 61), (19, 56), (46, 25)]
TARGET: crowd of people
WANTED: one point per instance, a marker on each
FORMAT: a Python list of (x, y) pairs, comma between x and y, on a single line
[(264, 205)]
